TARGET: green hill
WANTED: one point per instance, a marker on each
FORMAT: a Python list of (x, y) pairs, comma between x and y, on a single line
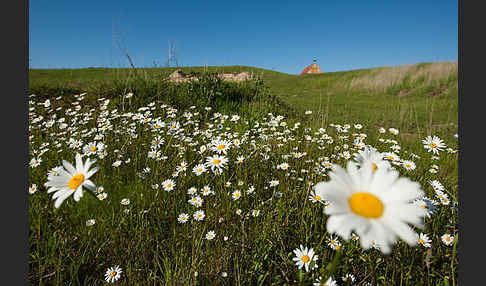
[(418, 99)]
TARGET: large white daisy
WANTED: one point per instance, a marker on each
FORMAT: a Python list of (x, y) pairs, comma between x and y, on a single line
[(71, 180), (377, 204)]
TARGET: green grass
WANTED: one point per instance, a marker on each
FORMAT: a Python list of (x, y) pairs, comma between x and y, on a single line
[(154, 249)]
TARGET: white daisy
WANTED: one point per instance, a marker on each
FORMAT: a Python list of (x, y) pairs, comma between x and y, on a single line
[(330, 282), (168, 185), (199, 215), (183, 218), (433, 144), (199, 169), (447, 239), (236, 195), (33, 189), (408, 165), (304, 257), (71, 180), (216, 162), (220, 146), (424, 240), (113, 274), (376, 204), (210, 235), (372, 155)]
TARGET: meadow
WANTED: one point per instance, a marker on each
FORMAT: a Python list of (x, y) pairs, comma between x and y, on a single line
[(138, 181)]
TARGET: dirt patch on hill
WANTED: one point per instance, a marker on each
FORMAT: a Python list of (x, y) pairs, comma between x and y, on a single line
[(179, 76)]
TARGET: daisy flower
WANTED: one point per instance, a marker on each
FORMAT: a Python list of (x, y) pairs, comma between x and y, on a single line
[(424, 240), (316, 196), (329, 282), (334, 243), (32, 189), (206, 190), (393, 131), (199, 169), (376, 204), (113, 274), (54, 171), (304, 257), (236, 195), (216, 162), (372, 155), (196, 201), (192, 191), (408, 165), (348, 278), (168, 185), (90, 222), (283, 166), (220, 146), (71, 180), (447, 239), (274, 183), (210, 235), (183, 218), (102, 196), (199, 215), (34, 162), (239, 159), (125, 202), (433, 144)]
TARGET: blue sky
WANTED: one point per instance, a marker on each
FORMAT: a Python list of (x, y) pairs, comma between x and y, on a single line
[(284, 36)]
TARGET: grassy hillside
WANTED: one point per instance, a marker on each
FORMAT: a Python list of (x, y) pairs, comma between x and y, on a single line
[(419, 99), (197, 184)]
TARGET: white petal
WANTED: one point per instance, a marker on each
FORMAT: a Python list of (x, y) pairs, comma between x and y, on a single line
[(89, 185), (78, 193), (79, 163), (69, 167), (91, 172), (61, 199), (403, 231)]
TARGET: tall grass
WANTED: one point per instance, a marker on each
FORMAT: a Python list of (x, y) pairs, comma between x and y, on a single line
[(148, 242)]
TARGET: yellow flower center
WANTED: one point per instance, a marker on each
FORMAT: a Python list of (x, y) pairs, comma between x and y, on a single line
[(374, 167), (366, 205), (75, 181), (169, 185), (317, 197), (305, 258), (448, 239), (421, 241), (199, 170), (337, 247), (216, 161), (433, 145), (94, 148), (221, 147), (237, 195), (112, 273)]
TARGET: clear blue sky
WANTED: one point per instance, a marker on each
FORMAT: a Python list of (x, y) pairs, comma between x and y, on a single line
[(281, 35)]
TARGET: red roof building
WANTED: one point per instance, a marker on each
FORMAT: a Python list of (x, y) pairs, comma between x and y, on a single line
[(312, 69)]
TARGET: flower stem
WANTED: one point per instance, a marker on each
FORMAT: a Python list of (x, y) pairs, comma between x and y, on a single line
[(330, 268)]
